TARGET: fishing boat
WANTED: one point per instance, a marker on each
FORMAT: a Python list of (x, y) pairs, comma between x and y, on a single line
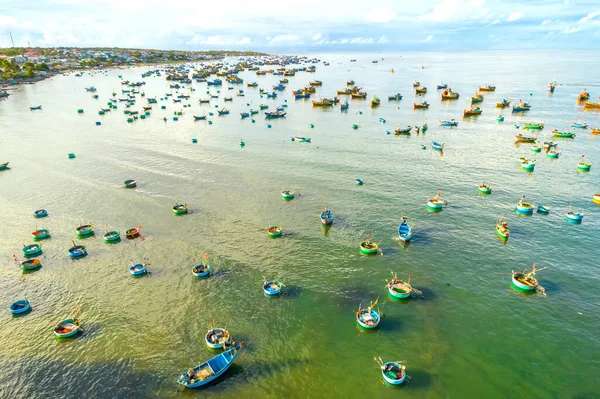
[(41, 234), (422, 105), (132, 233), (435, 204), (502, 229), (85, 230), (583, 166), (596, 199), (574, 217), (416, 83), (591, 105), (543, 210), (448, 94), (487, 88), (38, 107), (67, 328), (503, 104), (316, 83), (20, 306), (579, 125), (437, 146), (395, 97), (77, 251), (359, 182), (485, 188), (223, 112), (472, 111), (245, 114), (521, 107), (375, 101), (130, 184), (421, 90), (301, 139), (322, 103), (138, 269), (274, 231), (287, 194), (180, 209), (449, 123), (272, 287), (500, 118), (526, 280), (551, 86), (326, 217), (253, 84), (346, 91), (368, 318), (548, 145), (359, 95), (477, 98), (535, 148), (40, 213), (533, 126), (528, 165), (584, 95), (344, 106), (563, 135), (32, 250), (4, 166), (354, 126), (524, 208), (399, 289), (274, 115), (442, 86), (404, 230), (210, 370), (520, 138), (350, 82), (217, 338), (199, 118), (368, 247), (112, 236), (405, 130), (393, 373), (29, 264)]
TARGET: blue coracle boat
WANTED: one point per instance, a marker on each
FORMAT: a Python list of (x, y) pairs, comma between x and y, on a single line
[(327, 217), (20, 306), (404, 230), (138, 269), (210, 370)]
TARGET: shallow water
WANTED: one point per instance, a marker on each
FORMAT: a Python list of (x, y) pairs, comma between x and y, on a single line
[(472, 336)]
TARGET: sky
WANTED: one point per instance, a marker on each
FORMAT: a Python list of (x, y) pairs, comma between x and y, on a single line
[(303, 26)]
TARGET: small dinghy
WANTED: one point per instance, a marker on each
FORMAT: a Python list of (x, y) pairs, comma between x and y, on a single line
[(404, 231), (40, 213), (272, 287), (502, 229), (368, 318), (274, 231), (574, 217), (20, 306), (29, 264), (41, 234), (437, 146), (67, 328), (359, 182), (77, 251), (85, 230), (368, 247), (112, 236), (485, 189), (201, 269), (543, 210), (526, 281), (217, 338), (32, 250), (180, 209), (138, 269), (399, 289), (524, 208), (393, 373), (287, 194), (130, 183), (132, 233), (211, 369), (583, 166), (435, 204), (326, 217)]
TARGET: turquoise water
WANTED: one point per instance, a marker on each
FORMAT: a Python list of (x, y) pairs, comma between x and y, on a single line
[(472, 335)]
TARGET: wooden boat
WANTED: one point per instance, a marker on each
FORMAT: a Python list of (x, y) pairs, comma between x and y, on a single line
[(200, 118), (359, 182), (348, 91), (367, 318), (67, 328), (472, 111), (223, 112), (399, 289), (563, 135), (502, 229), (38, 107), (130, 183), (132, 233), (421, 90), (477, 98), (528, 165), (422, 105), (4, 166), (584, 95), (596, 199), (438, 146), (40, 213), (274, 115), (217, 338), (147, 108), (354, 126), (535, 148), (287, 194), (359, 95), (32, 250), (77, 251), (579, 125), (315, 83), (41, 234), (533, 126), (442, 86), (485, 188), (180, 209), (138, 269), (30, 264), (503, 104), (416, 83), (591, 105), (543, 210), (393, 373), (112, 236), (85, 230), (526, 280), (404, 230), (435, 204), (395, 97), (344, 106), (520, 138), (210, 370), (448, 94), (583, 166), (272, 287), (487, 88), (524, 208), (451, 122), (405, 130), (521, 107), (322, 103), (253, 84), (574, 217), (274, 231), (20, 306), (202, 269), (368, 247), (375, 101), (326, 217)]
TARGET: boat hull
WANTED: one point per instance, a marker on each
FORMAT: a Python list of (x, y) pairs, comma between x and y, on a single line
[(522, 286), (389, 380), (68, 334), (138, 269), (396, 294), (32, 250), (365, 326), (20, 306), (269, 291), (31, 264), (521, 210), (112, 236)]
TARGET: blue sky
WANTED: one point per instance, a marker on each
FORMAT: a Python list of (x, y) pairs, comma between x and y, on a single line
[(305, 25)]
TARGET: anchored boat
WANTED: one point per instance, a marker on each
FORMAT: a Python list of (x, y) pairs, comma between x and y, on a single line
[(40, 213), (210, 370), (180, 209), (435, 204), (217, 338), (502, 229), (272, 287), (451, 122), (77, 251), (32, 250), (485, 188), (41, 234), (326, 217), (368, 247), (583, 166), (526, 280), (404, 230), (393, 373), (85, 230), (138, 269), (368, 318), (524, 208), (112, 236), (20, 306), (399, 289)]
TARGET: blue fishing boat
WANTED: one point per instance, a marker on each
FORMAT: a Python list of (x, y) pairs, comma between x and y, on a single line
[(20, 306), (32, 250), (404, 230), (38, 107), (344, 106), (395, 97), (574, 217), (521, 107), (368, 318), (524, 208), (272, 95), (200, 118), (223, 112), (579, 125), (450, 123), (299, 96), (67, 328), (279, 87), (359, 182), (274, 115), (217, 338), (326, 217), (442, 86), (40, 213), (245, 114), (77, 251), (437, 146), (543, 210), (216, 82), (393, 373), (272, 287), (210, 370), (138, 269)]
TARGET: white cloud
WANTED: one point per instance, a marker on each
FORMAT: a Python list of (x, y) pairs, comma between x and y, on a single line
[(380, 15), (570, 30), (244, 40), (514, 17), (546, 21), (496, 21), (316, 37), (428, 39), (456, 10), (591, 17), (285, 40), (383, 40)]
